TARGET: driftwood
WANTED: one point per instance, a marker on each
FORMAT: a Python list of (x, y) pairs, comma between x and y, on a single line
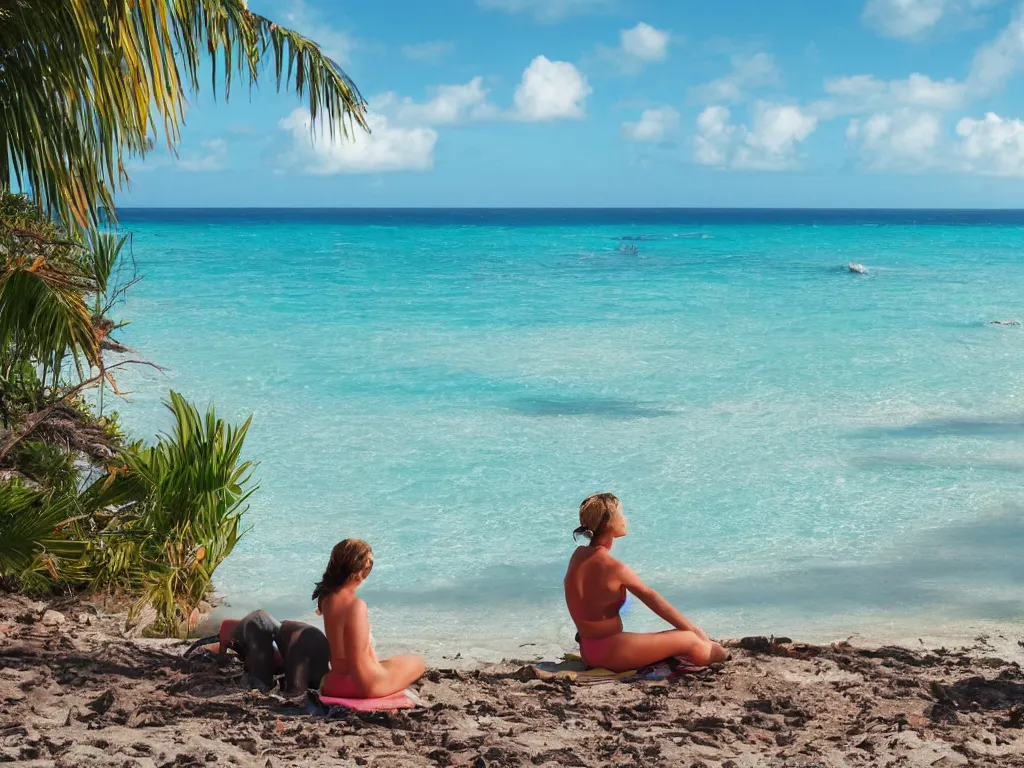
[(61, 423)]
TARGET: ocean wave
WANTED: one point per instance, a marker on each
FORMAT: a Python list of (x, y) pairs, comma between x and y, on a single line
[(663, 238), (605, 407)]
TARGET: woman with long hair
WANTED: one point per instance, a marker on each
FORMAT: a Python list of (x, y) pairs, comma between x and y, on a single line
[(355, 670)]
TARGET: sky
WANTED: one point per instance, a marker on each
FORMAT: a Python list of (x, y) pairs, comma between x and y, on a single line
[(626, 103)]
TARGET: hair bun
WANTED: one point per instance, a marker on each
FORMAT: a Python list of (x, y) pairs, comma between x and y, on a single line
[(584, 532)]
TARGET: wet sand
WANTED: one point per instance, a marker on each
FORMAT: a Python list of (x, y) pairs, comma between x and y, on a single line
[(81, 693)]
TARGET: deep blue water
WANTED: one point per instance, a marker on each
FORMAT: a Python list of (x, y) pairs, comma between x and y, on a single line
[(536, 217)]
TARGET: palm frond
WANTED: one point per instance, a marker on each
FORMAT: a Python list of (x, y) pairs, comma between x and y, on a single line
[(30, 528), (68, 121), (43, 311)]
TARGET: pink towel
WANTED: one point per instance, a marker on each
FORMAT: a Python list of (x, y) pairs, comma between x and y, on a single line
[(395, 701)]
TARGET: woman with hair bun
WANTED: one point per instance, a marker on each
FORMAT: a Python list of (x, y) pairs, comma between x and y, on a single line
[(355, 669), (595, 590)]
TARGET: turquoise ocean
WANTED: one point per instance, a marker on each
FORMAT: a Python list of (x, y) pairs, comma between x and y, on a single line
[(800, 450)]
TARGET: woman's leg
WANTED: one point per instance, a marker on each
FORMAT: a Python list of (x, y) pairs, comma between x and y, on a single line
[(632, 650), (398, 673)]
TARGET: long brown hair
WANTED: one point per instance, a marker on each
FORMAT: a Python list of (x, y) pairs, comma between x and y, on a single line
[(348, 558)]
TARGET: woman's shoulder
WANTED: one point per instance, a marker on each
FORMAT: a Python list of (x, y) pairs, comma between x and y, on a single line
[(596, 555), (341, 603)]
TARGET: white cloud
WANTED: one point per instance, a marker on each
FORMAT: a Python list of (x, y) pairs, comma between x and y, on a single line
[(903, 139), (645, 43), (654, 125), (714, 139), (997, 61), (431, 52), (747, 72), (992, 146), (335, 43), (451, 104), (386, 149), (771, 144), (551, 90), (638, 46), (548, 10), (912, 19), (214, 157), (993, 65), (865, 93)]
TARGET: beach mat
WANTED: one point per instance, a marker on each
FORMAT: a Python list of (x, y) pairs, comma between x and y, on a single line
[(573, 668), (333, 706)]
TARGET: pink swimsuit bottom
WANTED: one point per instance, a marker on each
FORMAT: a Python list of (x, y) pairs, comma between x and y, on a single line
[(342, 687), (594, 650)]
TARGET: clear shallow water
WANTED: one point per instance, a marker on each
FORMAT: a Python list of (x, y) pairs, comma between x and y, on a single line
[(799, 450)]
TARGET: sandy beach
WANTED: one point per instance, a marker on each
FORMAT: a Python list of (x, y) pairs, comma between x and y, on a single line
[(76, 691)]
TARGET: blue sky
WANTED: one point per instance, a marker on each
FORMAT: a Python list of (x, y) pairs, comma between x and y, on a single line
[(844, 103)]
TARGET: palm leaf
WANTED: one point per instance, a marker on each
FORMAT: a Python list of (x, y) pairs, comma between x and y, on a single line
[(68, 121), (30, 527)]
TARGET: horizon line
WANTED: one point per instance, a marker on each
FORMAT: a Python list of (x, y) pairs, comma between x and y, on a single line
[(543, 208)]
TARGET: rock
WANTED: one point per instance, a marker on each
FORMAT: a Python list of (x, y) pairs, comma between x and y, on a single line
[(84, 619), (53, 619), (139, 621), (247, 744), (755, 644), (858, 269), (101, 703)]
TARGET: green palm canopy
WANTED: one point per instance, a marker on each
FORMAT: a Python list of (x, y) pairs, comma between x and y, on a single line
[(85, 83)]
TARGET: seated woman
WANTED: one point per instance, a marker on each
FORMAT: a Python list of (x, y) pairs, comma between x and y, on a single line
[(355, 670), (595, 590)]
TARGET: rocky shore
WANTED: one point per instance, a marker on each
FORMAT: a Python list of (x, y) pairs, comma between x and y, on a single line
[(75, 690)]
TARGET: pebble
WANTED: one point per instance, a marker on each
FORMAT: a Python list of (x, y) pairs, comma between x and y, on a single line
[(53, 619)]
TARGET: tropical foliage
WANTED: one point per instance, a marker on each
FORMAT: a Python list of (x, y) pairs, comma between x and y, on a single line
[(186, 495), (85, 83), (79, 507)]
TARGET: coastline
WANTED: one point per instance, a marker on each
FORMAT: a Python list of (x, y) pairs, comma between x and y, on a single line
[(443, 646), (79, 692)]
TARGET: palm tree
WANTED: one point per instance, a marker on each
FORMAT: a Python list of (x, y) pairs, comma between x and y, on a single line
[(85, 83)]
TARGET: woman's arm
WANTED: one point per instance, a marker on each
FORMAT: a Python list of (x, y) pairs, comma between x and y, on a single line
[(362, 662), (656, 602)]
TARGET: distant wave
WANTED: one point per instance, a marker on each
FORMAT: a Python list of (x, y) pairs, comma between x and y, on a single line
[(611, 408), (675, 236)]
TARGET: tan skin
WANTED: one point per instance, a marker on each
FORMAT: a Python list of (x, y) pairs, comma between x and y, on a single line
[(355, 670), (595, 586)]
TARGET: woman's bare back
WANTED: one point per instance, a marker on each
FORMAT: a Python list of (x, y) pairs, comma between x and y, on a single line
[(355, 670), (339, 611), (593, 593)]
